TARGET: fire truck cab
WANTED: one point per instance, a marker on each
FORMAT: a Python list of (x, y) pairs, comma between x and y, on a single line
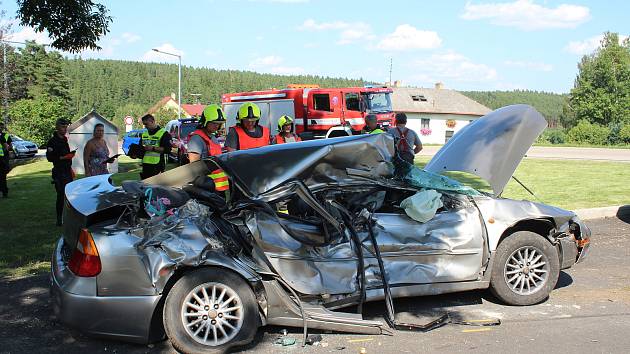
[(318, 112)]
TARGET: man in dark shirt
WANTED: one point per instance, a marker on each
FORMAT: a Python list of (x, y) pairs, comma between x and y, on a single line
[(5, 147), (156, 143), (58, 152)]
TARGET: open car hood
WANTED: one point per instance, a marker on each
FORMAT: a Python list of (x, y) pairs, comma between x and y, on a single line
[(492, 146), (323, 161)]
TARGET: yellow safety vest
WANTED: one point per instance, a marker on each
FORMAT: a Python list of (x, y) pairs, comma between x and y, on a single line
[(152, 157), (377, 131), (6, 139)]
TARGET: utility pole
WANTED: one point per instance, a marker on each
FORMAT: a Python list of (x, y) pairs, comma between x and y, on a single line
[(391, 63)]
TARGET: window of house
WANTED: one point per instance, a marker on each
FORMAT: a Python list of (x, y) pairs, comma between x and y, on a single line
[(352, 101), (419, 98), (321, 102), (424, 123), (448, 135)]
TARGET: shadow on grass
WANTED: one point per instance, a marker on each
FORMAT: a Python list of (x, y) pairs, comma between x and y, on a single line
[(29, 233)]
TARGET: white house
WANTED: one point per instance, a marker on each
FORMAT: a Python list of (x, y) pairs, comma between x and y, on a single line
[(436, 113), (82, 130)]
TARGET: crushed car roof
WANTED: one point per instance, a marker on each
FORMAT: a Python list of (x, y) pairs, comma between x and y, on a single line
[(313, 162)]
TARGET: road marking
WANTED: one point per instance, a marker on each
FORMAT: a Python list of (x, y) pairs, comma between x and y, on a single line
[(360, 340), (476, 330)]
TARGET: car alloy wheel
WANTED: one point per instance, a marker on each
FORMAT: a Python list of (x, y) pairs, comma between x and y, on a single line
[(212, 314), (526, 270)]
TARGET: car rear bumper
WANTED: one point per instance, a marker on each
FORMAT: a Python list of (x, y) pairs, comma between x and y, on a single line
[(76, 304)]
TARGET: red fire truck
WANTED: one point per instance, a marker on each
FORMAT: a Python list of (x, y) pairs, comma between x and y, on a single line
[(318, 112)]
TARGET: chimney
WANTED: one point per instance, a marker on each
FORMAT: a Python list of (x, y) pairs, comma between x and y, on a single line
[(173, 96), (439, 85)]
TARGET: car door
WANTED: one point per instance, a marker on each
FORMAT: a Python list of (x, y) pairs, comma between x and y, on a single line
[(447, 248), (353, 109), (324, 109)]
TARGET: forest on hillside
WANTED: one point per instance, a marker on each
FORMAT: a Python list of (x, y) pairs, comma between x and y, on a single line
[(109, 85), (547, 103)]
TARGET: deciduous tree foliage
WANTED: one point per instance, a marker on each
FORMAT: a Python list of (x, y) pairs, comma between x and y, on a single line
[(547, 103), (34, 119), (73, 25), (601, 93)]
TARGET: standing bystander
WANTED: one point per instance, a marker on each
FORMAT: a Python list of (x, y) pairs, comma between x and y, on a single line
[(58, 152), (96, 153), (5, 147), (408, 143)]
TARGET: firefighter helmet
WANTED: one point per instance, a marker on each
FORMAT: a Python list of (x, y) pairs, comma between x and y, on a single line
[(248, 110), (284, 120), (212, 113)]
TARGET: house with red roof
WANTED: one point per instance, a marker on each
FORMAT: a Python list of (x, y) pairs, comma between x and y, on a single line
[(170, 103)]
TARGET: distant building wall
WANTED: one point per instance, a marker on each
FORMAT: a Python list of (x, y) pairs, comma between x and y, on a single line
[(437, 132)]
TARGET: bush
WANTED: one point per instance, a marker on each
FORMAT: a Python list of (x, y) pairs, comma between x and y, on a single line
[(587, 133), (552, 136), (624, 134), (35, 119)]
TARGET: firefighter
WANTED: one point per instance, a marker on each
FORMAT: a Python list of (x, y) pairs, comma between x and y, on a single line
[(203, 141), (371, 125), (156, 143), (5, 147), (58, 152), (285, 131), (247, 134)]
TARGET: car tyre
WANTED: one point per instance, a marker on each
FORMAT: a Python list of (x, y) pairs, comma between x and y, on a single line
[(525, 270), (195, 316)]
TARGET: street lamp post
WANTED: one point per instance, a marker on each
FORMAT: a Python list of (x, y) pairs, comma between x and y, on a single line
[(179, 81)]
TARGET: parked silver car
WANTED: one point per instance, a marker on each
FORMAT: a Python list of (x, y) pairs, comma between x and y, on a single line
[(22, 148), (307, 228)]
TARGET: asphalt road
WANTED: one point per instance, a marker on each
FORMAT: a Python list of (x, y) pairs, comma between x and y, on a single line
[(589, 312)]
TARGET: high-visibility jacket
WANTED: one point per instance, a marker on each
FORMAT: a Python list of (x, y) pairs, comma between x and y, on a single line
[(213, 148), (220, 180), (247, 142), (377, 131), (6, 140), (280, 139), (152, 157)]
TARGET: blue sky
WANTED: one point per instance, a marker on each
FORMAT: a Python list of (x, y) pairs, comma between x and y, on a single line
[(467, 45)]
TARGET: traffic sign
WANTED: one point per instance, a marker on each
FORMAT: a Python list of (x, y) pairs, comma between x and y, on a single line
[(128, 120)]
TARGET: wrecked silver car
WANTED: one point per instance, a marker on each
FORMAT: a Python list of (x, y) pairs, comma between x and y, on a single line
[(305, 229)]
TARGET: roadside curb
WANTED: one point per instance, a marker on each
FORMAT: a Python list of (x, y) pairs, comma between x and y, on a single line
[(604, 212)]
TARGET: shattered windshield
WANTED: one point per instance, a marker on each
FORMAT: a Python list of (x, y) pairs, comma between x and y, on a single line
[(418, 177)]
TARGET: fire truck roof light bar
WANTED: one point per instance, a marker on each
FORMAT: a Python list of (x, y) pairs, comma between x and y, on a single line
[(258, 97)]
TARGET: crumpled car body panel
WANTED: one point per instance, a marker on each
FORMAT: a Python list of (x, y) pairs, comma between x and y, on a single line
[(302, 215)]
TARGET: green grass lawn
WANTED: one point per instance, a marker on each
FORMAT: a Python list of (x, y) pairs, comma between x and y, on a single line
[(28, 232)]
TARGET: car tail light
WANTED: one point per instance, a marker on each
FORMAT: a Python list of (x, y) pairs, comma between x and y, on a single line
[(85, 261)]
